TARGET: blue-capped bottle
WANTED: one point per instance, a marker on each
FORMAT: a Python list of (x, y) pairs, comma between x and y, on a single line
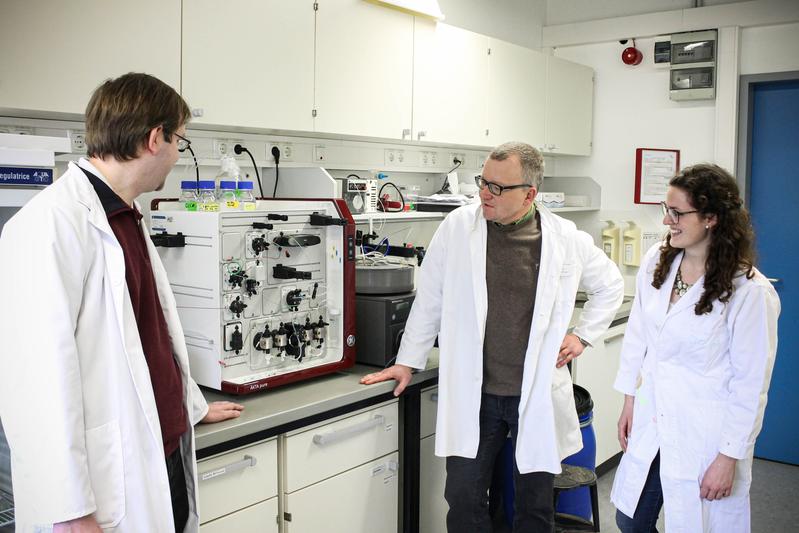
[(206, 200), (228, 199), (188, 195), (246, 196)]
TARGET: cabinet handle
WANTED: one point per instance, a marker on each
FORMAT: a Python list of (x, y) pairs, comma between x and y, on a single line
[(248, 461), (420, 135), (323, 439), (608, 339), (405, 133), (434, 397)]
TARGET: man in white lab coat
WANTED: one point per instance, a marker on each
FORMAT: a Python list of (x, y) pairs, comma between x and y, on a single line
[(498, 287), (95, 394)]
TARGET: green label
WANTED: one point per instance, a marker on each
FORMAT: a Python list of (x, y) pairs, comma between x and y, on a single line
[(249, 206), (190, 206)]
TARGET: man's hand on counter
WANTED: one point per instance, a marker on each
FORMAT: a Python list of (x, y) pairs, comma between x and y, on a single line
[(220, 411), (400, 373)]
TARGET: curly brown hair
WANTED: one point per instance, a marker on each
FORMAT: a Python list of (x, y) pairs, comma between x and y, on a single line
[(712, 190)]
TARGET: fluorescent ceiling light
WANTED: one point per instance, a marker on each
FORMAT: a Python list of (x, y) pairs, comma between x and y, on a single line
[(428, 8)]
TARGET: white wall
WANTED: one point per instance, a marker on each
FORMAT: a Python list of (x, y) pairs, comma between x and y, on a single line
[(770, 49), (516, 21), (632, 110)]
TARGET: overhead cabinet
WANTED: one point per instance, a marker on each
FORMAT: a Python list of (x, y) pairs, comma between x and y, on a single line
[(517, 87), (569, 107), (364, 69), (249, 62), (54, 54), (449, 84)]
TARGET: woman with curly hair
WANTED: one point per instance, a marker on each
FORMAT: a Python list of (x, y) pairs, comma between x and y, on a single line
[(695, 365)]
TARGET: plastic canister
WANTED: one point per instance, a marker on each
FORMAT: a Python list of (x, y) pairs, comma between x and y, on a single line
[(228, 200), (206, 200), (246, 197), (188, 195), (577, 501)]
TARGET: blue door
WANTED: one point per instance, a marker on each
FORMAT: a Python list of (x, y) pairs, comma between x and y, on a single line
[(774, 203)]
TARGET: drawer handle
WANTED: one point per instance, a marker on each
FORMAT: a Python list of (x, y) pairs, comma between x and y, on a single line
[(323, 439), (434, 397), (248, 461), (608, 339)]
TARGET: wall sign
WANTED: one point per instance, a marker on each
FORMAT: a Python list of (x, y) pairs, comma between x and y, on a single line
[(25, 176), (654, 167)]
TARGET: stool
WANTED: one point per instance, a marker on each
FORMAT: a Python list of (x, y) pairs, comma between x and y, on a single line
[(572, 477)]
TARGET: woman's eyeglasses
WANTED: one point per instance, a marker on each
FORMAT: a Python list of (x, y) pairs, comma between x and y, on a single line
[(673, 214)]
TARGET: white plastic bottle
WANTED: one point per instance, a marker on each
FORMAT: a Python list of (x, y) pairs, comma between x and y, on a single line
[(246, 197), (206, 200), (228, 199)]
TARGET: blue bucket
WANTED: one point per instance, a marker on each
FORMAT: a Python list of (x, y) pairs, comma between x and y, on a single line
[(576, 501)]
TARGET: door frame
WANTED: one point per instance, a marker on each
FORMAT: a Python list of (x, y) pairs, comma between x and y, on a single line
[(746, 93)]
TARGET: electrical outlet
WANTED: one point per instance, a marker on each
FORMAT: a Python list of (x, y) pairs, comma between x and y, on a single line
[(77, 140), (320, 153), (428, 159), (286, 151), (460, 156), (222, 147), (390, 157), (231, 144)]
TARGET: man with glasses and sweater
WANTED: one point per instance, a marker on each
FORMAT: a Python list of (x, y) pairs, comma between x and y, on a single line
[(498, 287)]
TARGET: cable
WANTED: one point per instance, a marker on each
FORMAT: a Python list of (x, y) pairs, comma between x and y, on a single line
[(276, 155), (445, 187), (196, 167), (238, 149), (380, 197)]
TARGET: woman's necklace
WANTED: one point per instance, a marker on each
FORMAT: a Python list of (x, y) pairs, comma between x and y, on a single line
[(680, 287)]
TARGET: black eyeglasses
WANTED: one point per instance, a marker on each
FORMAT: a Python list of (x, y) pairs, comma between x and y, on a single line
[(495, 188), (673, 214), (183, 143)]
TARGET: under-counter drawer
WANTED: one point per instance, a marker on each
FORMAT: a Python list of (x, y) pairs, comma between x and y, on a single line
[(237, 479), (362, 500), (325, 450), (259, 518), (428, 406)]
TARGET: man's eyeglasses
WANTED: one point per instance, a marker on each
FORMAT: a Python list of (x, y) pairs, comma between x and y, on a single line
[(495, 188), (183, 143), (673, 214)]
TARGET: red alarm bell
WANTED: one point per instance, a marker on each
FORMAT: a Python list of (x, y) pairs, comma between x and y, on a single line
[(632, 55)]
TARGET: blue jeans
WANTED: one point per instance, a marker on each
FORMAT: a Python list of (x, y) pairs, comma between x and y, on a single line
[(468, 480), (649, 505)]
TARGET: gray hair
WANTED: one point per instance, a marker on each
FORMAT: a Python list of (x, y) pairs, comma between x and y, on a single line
[(531, 160)]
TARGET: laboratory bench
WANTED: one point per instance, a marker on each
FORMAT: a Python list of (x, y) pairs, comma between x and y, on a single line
[(348, 453)]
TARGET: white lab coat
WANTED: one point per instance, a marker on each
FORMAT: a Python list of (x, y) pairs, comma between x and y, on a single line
[(451, 302), (703, 385), (76, 399)]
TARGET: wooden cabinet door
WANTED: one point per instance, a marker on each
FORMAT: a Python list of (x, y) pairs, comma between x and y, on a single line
[(54, 54), (449, 84), (569, 108), (364, 69), (250, 62), (516, 94)]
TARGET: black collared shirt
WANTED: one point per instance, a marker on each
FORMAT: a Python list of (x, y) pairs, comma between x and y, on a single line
[(150, 321)]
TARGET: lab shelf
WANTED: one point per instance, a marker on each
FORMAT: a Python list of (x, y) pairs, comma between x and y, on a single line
[(572, 209), (400, 216)]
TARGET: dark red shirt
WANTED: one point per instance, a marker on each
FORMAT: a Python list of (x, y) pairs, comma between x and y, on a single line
[(150, 321)]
